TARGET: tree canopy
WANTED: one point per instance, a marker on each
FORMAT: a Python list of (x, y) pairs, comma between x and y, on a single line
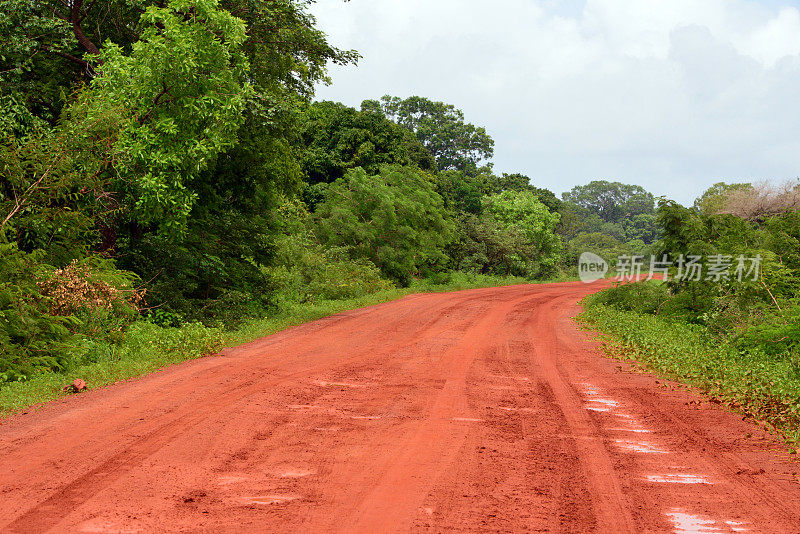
[(612, 201), (441, 127), (334, 138), (394, 219)]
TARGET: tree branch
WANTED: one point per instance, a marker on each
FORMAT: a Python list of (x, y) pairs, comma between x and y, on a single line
[(83, 63), (75, 18)]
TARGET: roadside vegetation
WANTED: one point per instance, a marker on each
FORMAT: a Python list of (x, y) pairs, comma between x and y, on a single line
[(146, 347), (737, 340), (169, 185)]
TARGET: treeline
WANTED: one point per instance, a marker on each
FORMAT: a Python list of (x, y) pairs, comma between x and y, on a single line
[(735, 266), (163, 161), (732, 326), (163, 164)]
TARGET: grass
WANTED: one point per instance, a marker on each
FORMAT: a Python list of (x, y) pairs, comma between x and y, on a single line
[(147, 348), (766, 388)]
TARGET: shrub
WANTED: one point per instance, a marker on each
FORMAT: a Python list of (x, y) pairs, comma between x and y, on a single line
[(30, 336), (46, 314), (393, 219), (777, 335), (103, 298), (306, 271), (641, 297)]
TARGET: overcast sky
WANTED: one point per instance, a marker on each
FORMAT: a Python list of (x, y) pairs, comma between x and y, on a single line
[(673, 95)]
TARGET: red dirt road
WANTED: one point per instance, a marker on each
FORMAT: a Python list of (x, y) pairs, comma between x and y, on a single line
[(477, 411)]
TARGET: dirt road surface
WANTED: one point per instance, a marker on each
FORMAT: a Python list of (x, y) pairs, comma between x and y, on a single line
[(477, 411)]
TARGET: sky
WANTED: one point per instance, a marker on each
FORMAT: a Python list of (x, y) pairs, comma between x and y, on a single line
[(672, 95)]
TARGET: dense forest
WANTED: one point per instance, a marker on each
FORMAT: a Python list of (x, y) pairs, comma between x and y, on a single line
[(165, 171), (732, 326)]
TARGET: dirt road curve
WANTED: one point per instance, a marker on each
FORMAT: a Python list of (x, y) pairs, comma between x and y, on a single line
[(478, 411)]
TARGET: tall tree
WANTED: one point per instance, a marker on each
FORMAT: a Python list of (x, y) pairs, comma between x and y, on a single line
[(50, 45), (523, 212), (612, 201), (713, 199), (456, 144), (394, 219), (334, 138)]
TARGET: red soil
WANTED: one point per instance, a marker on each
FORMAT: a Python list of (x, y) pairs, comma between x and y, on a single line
[(477, 411)]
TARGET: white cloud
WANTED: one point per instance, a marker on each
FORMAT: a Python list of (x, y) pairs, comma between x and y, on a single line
[(671, 94)]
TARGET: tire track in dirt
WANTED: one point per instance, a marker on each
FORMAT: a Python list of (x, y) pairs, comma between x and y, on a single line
[(476, 411), (163, 429), (612, 507), (404, 485)]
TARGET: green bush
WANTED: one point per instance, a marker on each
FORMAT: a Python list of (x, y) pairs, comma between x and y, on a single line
[(642, 297), (306, 271), (748, 379), (483, 246), (210, 276), (393, 219), (31, 337), (776, 335)]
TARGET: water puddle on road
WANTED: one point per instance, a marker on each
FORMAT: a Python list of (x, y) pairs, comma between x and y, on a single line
[(594, 403), (604, 402), (685, 523), (678, 479), (296, 473), (601, 405), (643, 447), (590, 389)]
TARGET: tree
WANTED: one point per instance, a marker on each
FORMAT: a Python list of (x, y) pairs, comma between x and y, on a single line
[(612, 201), (576, 220), (483, 245), (643, 226), (156, 117), (394, 219), (521, 211), (713, 199), (56, 46), (456, 145), (219, 268), (181, 92), (46, 43), (762, 201), (602, 244), (163, 138), (335, 138), (463, 192), (520, 182)]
